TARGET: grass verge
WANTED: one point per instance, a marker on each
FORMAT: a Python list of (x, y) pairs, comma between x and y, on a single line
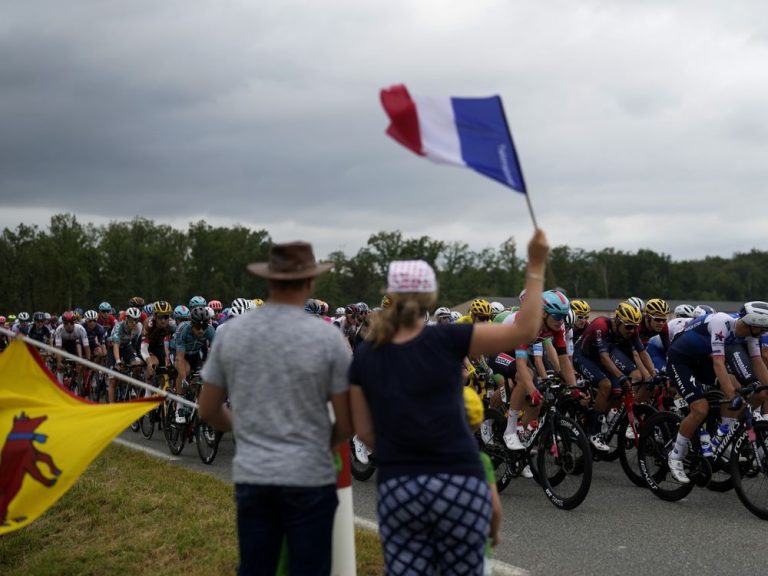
[(131, 514)]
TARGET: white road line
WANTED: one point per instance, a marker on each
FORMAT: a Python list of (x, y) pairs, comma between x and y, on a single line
[(498, 568), (150, 451)]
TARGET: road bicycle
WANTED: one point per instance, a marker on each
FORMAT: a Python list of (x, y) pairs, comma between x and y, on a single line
[(742, 453)]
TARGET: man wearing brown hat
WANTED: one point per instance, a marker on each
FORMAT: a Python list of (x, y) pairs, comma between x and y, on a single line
[(280, 368)]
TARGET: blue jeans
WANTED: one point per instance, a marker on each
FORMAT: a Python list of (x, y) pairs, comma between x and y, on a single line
[(302, 514)]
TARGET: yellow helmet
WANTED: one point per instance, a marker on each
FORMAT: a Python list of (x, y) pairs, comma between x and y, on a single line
[(474, 407), (628, 313), (386, 301), (162, 307), (656, 307), (480, 307), (580, 307), (258, 302)]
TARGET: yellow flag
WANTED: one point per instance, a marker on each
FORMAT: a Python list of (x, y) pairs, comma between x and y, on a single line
[(48, 437)]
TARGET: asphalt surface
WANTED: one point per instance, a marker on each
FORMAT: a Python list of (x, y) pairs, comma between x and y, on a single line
[(619, 529)]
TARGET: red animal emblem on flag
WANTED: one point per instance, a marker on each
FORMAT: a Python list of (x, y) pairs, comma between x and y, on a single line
[(18, 458)]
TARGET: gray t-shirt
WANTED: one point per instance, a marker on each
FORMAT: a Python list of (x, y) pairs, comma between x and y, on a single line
[(280, 366)]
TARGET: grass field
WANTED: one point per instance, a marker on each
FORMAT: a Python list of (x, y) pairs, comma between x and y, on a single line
[(132, 514)]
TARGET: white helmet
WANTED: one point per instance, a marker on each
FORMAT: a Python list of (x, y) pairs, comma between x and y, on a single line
[(442, 312), (340, 311), (755, 314), (702, 309), (90, 315), (455, 316), (684, 311), (497, 308), (133, 313), (637, 303)]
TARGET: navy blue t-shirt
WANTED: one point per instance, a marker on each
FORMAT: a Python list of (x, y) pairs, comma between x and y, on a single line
[(415, 393)]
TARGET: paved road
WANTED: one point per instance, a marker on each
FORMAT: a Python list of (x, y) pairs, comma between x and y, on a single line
[(619, 529)]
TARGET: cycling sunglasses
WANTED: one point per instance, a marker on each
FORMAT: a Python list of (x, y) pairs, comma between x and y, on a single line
[(655, 319), (628, 326), (163, 317), (558, 317)]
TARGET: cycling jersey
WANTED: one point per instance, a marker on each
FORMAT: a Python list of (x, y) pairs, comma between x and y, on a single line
[(557, 336), (709, 335), (19, 328), (188, 343), (63, 338), (96, 335), (599, 337), (123, 335), (41, 334)]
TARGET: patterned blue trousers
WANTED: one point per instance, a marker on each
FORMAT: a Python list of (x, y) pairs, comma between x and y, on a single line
[(434, 524)]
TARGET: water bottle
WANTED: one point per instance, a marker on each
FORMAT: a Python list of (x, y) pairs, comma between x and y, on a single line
[(706, 443), (722, 430)]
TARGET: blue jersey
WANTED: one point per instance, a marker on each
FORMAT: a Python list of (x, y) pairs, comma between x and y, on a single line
[(709, 335), (188, 343)]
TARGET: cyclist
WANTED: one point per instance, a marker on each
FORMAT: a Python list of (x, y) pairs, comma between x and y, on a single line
[(39, 330), (155, 338), (21, 326), (496, 309), (3, 337), (555, 310), (654, 323), (70, 337), (603, 357), (97, 336), (698, 356), (191, 339), (442, 315), (581, 310), (105, 318), (125, 339)]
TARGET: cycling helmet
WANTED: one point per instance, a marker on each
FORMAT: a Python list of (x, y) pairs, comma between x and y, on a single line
[(340, 311), (181, 312), (216, 305), (234, 311), (68, 317), (162, 307), (497, 308), (197, 301), (442, 312), (755, 314), (455, 315), (474, 407), (136, 302), (90, 315), (199, 315), (133, 313), (628, 313), (636, 302), (242, 304), (555, 303), (570, 319), (78, 311), (351, 309), (47, 316), (386, 301), (480, 307), (105, 307), (580, 307), (149, 309), (2, 320), (11, 317), (23, 316), (684, 311), (363, 308), (323, 305), (656, 307), (521, 296), (702, 309), (38, 317), (258, 302), (312, 306), (211, 312)]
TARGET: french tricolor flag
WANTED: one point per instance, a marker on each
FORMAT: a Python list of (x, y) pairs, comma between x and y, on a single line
[(469, 132)]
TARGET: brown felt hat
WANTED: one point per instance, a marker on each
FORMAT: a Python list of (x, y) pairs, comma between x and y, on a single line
[(290, 261)]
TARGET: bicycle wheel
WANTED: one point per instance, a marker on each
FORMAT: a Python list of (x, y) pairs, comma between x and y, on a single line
[(490, 439), (657, 438), (207, 440), (749, 470), (147, 424), (360, 471), (174, 433), (564, 462), (628, 448)]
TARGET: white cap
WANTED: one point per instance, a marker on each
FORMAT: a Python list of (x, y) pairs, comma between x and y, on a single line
[(411, 276)]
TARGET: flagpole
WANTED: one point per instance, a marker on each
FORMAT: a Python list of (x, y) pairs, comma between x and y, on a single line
[(94, 366), (530, 209)]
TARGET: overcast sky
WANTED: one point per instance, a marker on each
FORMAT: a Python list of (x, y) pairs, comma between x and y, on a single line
[(638, 124)]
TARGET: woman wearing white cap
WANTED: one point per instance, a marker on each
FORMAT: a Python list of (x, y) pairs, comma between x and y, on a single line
[(434, 502)]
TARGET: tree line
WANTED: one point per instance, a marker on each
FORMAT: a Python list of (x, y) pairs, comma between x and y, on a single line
[(74, 264)]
